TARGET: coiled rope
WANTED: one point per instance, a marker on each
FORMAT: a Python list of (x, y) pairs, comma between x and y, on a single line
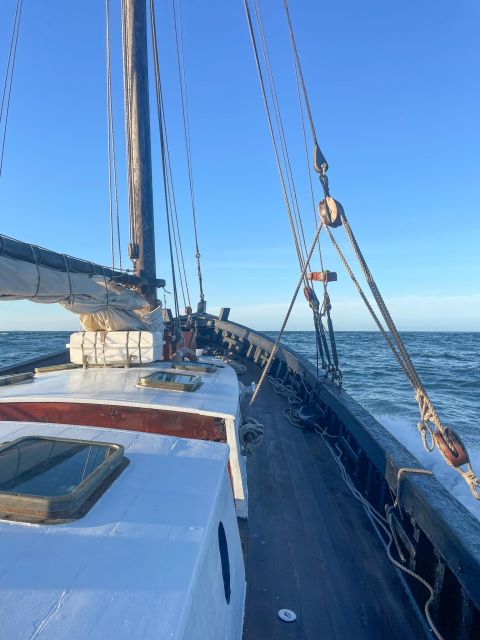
[(250, 434)]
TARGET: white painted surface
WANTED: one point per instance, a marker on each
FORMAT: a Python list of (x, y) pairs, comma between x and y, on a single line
[(116, 347), (217, 396), (142, 563)]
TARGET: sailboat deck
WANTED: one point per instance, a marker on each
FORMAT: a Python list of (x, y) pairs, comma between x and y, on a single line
[(311, 548), (217, 395)]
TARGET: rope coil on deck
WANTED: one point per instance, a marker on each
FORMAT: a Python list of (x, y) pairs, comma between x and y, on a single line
[(250, 434)]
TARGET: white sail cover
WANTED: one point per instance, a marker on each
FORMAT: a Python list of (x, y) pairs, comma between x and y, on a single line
[(101, 304)]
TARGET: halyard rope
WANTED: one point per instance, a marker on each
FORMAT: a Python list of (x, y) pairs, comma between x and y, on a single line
[(177, 19), (9, 72), (165, 170), (112, 163), (272, 134), (271, 357)]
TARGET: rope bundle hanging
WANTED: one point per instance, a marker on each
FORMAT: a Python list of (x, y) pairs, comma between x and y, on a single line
[(332, 214)]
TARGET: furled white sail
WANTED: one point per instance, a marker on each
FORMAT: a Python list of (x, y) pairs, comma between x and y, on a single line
[(101, 304)]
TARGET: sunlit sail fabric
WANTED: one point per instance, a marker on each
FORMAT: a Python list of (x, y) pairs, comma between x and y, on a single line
[(101, 304)]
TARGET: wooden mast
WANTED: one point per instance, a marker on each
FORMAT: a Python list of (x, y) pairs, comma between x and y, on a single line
[(139, 157)]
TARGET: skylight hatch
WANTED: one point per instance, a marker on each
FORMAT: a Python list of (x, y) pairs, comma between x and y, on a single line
[(171, 380), (52, 480)]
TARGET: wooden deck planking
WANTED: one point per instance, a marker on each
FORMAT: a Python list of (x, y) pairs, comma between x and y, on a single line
[(311, 547)]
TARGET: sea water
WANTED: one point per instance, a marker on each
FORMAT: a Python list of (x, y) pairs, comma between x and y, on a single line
[(448, 365)]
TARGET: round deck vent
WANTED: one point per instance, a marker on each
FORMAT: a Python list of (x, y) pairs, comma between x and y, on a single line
[(225, 560)]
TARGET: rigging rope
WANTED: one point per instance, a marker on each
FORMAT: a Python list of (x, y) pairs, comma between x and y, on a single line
[(176, 226), (112, 163), (172, 208), (159, 101), (133, 248), (271, 357), (428, 414), (280, 128), (290, 197), (321, 164), (272, 132), (178, 25), (442, 437), (9, 71), (281, 132), (173, 225), (322, 347)]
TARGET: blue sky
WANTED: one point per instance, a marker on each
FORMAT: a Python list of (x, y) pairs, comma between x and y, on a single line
[(395, 94)]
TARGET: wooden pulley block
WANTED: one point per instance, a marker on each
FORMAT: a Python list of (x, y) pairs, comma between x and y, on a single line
[(455, 454), (311, 296), (330, 211), (322, 276)]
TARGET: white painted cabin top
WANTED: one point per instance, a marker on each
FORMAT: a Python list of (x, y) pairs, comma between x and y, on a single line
[(217, 396), (142, 563)]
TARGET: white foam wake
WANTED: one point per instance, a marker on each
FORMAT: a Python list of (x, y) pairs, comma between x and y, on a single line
[(408, 435)]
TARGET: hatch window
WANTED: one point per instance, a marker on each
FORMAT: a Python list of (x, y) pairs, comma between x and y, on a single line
[(54, 480), (199, 367), (171, 380)]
